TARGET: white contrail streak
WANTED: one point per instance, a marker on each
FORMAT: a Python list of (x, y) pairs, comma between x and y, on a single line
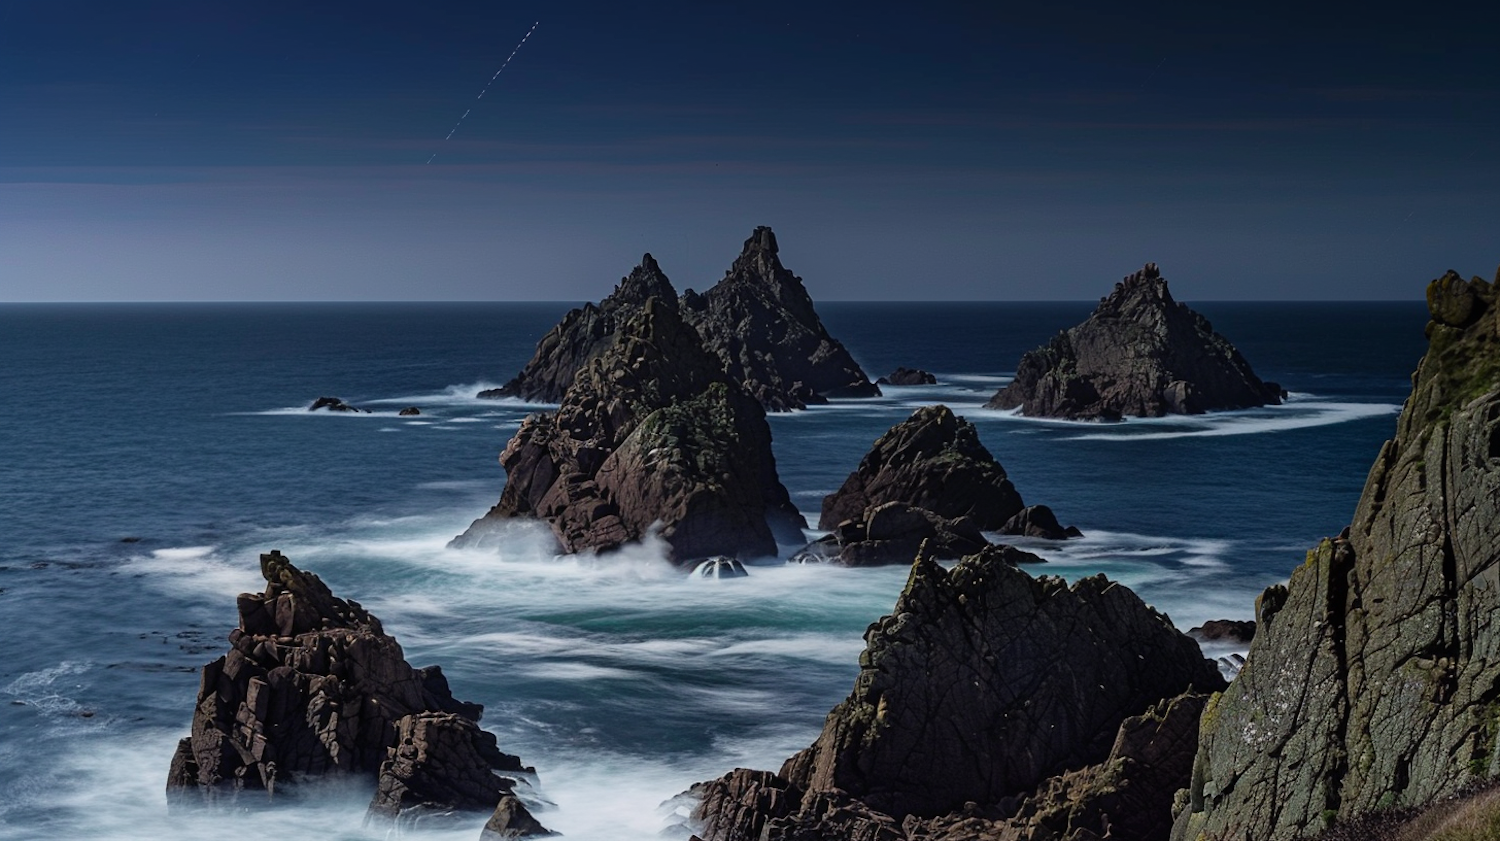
[(486, 88)]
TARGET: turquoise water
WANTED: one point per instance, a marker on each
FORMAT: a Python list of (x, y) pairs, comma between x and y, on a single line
[(181, 429)]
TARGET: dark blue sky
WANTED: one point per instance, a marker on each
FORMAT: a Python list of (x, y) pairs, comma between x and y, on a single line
[(276, 150)]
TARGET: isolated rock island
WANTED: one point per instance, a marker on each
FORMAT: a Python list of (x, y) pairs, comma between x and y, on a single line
[(1140, 354)]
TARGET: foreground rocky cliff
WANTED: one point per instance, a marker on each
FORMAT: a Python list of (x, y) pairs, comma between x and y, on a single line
[(651, 434), (1139, 354), (311, 687), (990, 704), (1373, 681)]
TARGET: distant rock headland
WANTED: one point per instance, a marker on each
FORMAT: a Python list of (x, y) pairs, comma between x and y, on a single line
[(312, 686), (1140, 354)]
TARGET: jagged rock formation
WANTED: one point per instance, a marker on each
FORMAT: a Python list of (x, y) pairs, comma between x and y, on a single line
[(907, 376), (1373, 680), (760, 321), (652, 433), (584, 335), (312, 685), (984, 688), (932, 460), (891, 533), (1139, 354)]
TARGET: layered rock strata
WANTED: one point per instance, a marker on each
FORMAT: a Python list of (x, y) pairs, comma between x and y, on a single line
[(982, 693), (312, 686), (652, 436), (1373, 680), (1140, 354), (583, 335), (760, 322)]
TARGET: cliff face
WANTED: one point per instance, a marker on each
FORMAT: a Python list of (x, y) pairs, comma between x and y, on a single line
[(1373, 680), (760, 321), (1139, 354)]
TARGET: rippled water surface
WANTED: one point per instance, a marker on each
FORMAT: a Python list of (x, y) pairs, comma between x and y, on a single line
[(150, 453)]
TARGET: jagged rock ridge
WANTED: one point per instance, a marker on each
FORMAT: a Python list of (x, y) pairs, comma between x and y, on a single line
[(1139, 354), (984, 687), (1373, 680), (651, 434), (759, 320), (311, 686)]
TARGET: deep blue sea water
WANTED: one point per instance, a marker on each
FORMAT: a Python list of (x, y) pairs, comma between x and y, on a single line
[(183, 429)]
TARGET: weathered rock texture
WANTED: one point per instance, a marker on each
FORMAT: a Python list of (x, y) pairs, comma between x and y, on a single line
[(907, 376), (759, 320), (932, 460), (651, 434), (983, 686), (1139, 354), (1374, 677), (313, 686), (891, 533), (584, 335)]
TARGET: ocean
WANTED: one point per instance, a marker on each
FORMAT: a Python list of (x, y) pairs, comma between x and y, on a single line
[(150, 453)]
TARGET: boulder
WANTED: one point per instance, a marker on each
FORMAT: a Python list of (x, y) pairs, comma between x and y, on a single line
[(651, 437), (1038, 521), (760, 322), (583, 335), (892, 533), (1224, 630), (932, 460), (907, 376), (1373, 680), (1140, 354), (313, 686), (409, 411), (983, 686), (720, 567), (332, 404), (512, 820)]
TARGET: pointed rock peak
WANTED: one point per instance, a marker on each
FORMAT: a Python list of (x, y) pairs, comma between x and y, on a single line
[(763, 239), (1147, 284), (645, 281), (759, 258)]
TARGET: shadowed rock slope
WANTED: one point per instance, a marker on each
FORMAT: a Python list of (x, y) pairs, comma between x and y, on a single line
[(312, 686), (584, 335), (759, 320), (651, 432), (1373, 681), (1139, 354), (980, 703)]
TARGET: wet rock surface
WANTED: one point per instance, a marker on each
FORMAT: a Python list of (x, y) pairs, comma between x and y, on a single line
[(651, 435), (760, 322), (312, 686), (982, 693), (1140, 354), (333, 404), (1373, 680)]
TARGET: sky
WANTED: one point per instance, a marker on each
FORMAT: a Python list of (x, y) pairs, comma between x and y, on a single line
[(277, 150)]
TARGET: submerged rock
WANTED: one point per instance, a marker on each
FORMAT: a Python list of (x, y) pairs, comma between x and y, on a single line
[(760, 322), (313, 686), (1373, 680), (720, 567), (409, 411), (982, 692), (907, 376), (332, 404), (1140, 354), (583, 335), (651, 437)]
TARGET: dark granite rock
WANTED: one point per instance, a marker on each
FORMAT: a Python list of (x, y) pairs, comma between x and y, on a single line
[(760, 321), (1373, 681), (651, 434), (409, 411), (313, 686), (1038, 521), (907, 376), (584, 335), (1224, 630), (720, 567), (981, 687), (1140, 354), (892, 533), (332, 404), (932, 460), (512, 820)]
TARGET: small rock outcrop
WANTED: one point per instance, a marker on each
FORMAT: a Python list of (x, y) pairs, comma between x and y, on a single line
[(651, 435), (583, 335), (1038, 521), (907, 376), (1373, 680), (891, 533), (312, 685), (409, 411), (511, 821), (1140, 354), (1224, 630), (989, 696), (333, 404), (760, 322)]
